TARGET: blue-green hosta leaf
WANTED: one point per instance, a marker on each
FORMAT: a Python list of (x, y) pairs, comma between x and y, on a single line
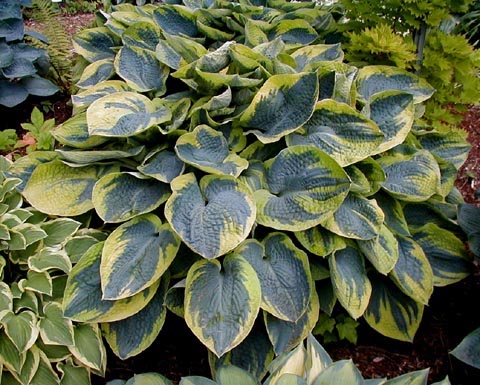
[(165, 54), (221, 304), (133, 335), (413, 273), (88, 347), (96, 72), (342, 372), (57, 189), (176, 20), (175, 299), (54, 328), (469, 220), (336, 80), (412, 178), (393, 112), (320, 241), (135, 256), (74, 133), (83, 99), (118, 197), (339, 130), (96, 44), (211, 218), (281, 106), (124, 114), (350, 282), (296, 31), (381, 251), (357, 218), (392, 313), (317, 53), (451, 146), (394, 215), (207, 149), (286, 335), (21, 328), (83, 293), (141, 69), (468, 350), (374, 79), (305, 186), (446, 253), (12, 94), (162, 165), (143, 34), (284, 275)]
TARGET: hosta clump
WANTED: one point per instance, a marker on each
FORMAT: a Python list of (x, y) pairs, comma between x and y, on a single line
[(248, 179), (38, 345)]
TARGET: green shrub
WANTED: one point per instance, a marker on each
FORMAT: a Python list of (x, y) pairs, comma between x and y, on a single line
[(248, 179)]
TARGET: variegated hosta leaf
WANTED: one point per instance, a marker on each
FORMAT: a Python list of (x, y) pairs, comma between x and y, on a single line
[(141, 70), (413, 178), (131, 336), (381, 251), (221, 304), (148, 379), (340, 131), (57, 189), (207, 150), (187, 48), (162, 165), (135, 256), (96, 72), (281, 106), (143, 34), (374, 79), (318, 358), (343, 371), (118, 197), (393, 112), (305, 186), (165, 54), (21, 328), (286, 335), (392, 313), (284, 275), (211, 218), (72, 374), (317, 53), (29, 368), (96, 44), (293, 31), (6, 299), (413, 273), (59, 230), (234, 375), (74, 133), (292, 362), (83, 99), (350, 282), (176, 20), (88, 347), (367, 177), (83, 293), (254, 176), (45, 374), (357, 218), (446, 253), (10, 357), (55, 329), (336, 80), (124, 114), (83, 157)]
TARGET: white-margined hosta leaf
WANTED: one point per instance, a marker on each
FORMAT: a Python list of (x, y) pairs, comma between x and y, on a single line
[(84, 98), (162, 165), (284, 274), (59, 230), (412, 178), (85, 157), (131, 336), (222, 302), (6, 299), (48, 259), (207, 150), (88, 347), (143, 34), (29, 368), (135, 256), (120, 196), (305, 186), (413, 273), (234, 375), (446, 253), (21, 328), (54, 328), (57, 189), (285, 335), (45, 374), (176, 20), (350, 282), (124, 114), (211, 218), (374, 79), (96, 72), (74, 133), (141, 70), (73, 374), (83, 293), (343, 371), (39, 282), (340, 131), (393, 112), (320, 241), (316, 53), (336, 80), (96, 44), (381, 251), (392, 313), (357, 218), (11, 358), (282, 105)]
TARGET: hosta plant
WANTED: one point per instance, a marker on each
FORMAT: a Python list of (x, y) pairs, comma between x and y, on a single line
[(248, 179), (38, 345)]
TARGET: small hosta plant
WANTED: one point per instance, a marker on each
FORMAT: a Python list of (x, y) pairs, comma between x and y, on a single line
[(248, 180)]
